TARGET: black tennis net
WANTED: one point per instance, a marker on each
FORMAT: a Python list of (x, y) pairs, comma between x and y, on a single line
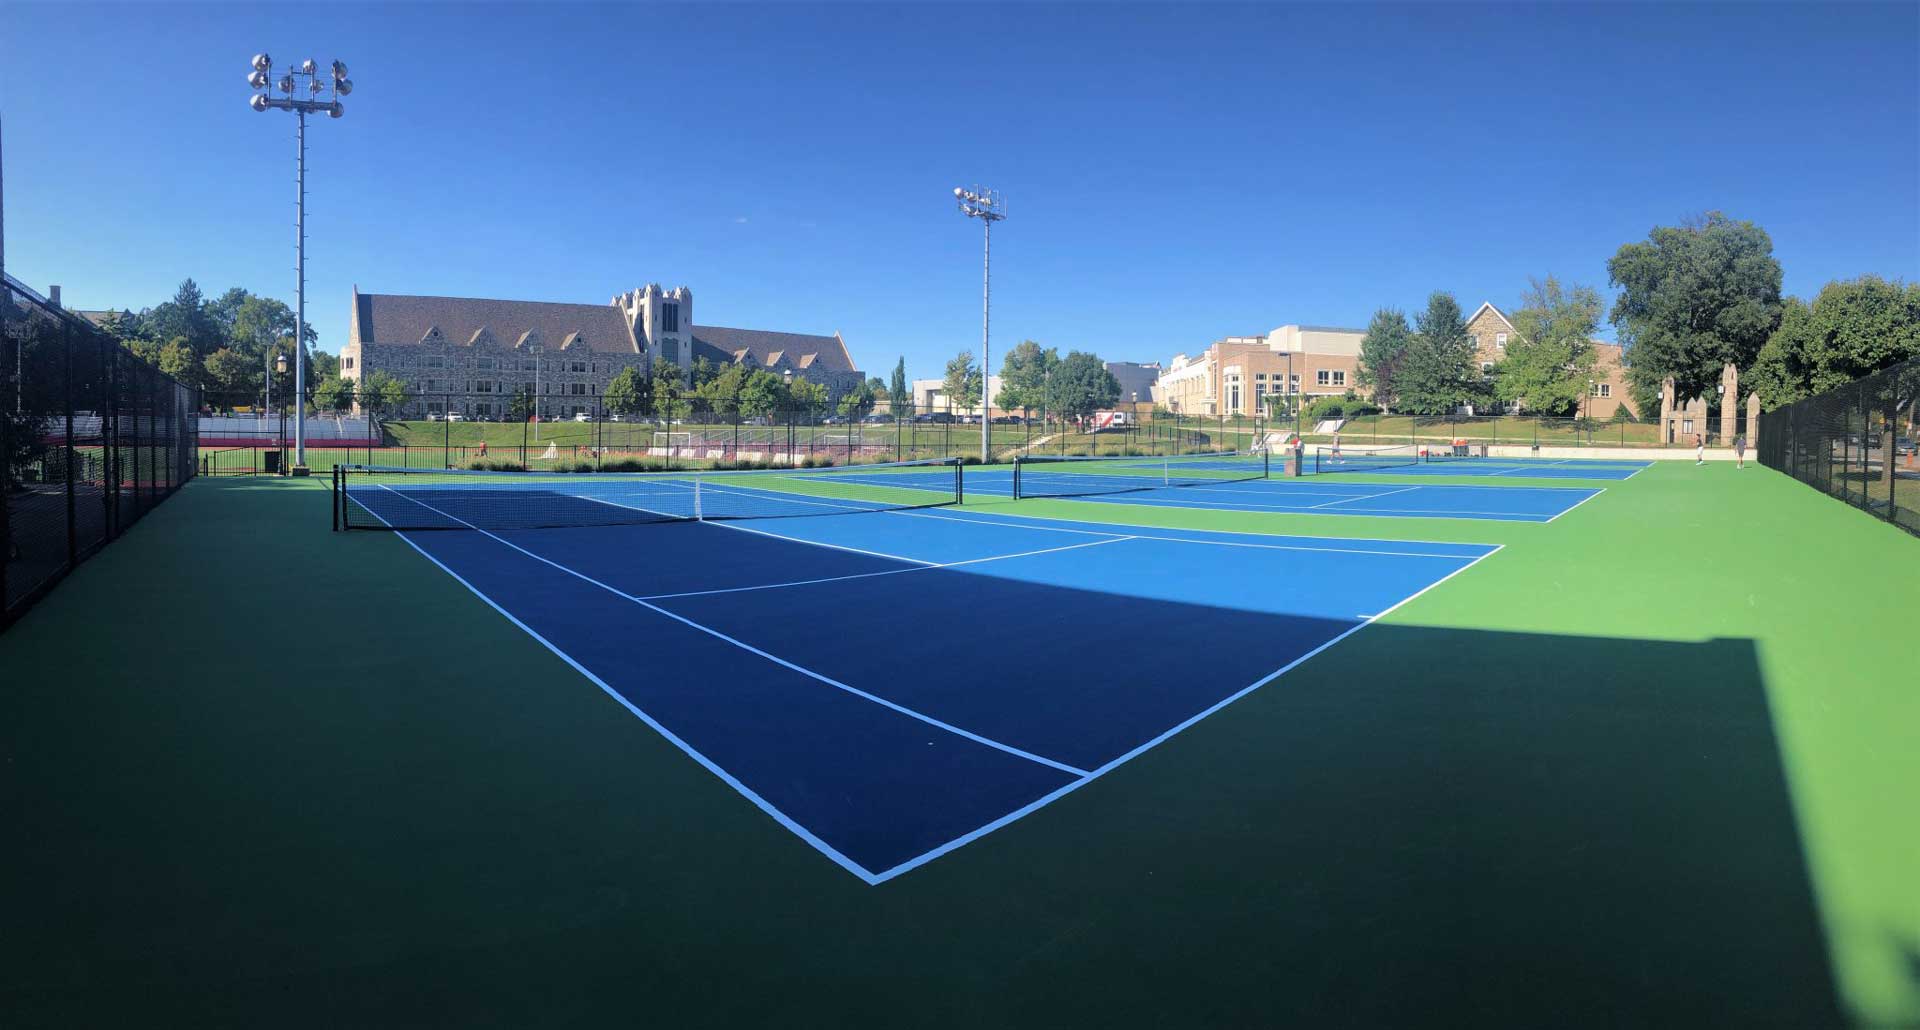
[(1041, 476), (379, 497), (1364, 459)]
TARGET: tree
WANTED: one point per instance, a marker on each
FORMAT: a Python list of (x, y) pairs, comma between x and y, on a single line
[(704, 372), (178, 360), (1694, 297), (808, 397), (1439, 370), (721, 389), (185, 318), (962, 382), (899, 394), (320, 365), (258, 323), (859, 401), (520, 406), (1853, 329), (381, 393), (1082, 385), (231, 374), (1023, 376), (1381, 351), (667, 390), (629, 393), (333, 394), (762, 393), (1551, 357)]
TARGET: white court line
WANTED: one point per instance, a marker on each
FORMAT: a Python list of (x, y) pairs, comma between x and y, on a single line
[(922, 567), (968, 838), (1142, 532), (1424, 513), (832, 853), (776, 659), (1596, 492), (1363, 497)]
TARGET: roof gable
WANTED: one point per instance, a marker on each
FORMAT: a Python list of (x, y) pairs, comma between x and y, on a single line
[(386, 318), (758, 347)]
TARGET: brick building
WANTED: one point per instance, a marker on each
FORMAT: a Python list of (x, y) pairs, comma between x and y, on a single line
[(471, 355), (1232, 375)]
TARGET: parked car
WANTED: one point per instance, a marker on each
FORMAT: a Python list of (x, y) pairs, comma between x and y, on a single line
[(432, 416), (834, 420), (936, 417), (1007, 420), (581, 416), (877, 420), (454, 416)]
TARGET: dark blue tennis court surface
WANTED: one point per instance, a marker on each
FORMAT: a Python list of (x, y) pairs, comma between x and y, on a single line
[(890, 686)]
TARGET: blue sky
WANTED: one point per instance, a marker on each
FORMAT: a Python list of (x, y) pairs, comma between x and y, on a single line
[(1174, 173)]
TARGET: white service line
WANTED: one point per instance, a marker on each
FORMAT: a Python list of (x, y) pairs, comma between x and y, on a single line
[(749, 648), (1596, 492), (1363, 497), (921, 567)]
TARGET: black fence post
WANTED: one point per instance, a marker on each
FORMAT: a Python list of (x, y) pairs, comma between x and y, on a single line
[(72, 455)]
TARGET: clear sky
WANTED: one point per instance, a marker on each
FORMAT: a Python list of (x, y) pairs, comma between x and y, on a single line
[(1174, 173)]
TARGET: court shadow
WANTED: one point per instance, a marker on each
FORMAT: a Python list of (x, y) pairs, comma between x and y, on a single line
[(1444, 827)]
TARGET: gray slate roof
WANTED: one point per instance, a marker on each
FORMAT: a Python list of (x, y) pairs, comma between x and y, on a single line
[(392, 318), (720, 344)]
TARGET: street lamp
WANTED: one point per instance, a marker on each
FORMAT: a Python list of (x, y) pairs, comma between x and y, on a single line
[(987, 206), (322, 97), (278, 364)]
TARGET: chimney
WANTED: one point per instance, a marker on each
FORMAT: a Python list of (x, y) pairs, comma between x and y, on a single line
[(53, 295)]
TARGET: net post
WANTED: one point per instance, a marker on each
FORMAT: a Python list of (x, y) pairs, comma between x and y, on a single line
[(334, 499), (1018, 460), (959, 484), (698, 515)]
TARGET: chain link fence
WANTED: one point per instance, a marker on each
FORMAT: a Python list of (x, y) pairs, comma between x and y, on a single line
[(1856, 443), (238, 437), (91, 439)]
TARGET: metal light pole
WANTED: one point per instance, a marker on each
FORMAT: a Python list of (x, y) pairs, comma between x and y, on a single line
[(987, 206), (322, 97)]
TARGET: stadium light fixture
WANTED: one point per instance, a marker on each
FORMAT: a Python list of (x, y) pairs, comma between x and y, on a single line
[(322, 97), (988, 207)]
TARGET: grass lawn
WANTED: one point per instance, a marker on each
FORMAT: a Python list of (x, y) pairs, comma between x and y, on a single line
[(1651, 764)]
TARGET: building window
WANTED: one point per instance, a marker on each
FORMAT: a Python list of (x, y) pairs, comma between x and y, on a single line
[(1486, 367), (1323, 377), (1500, 340), (1260, 376), (1603, 390), (434, 361), (1293, 382), (578, 366), (349, 363), (483, 363), (579, 389), (1686, 425), (669, 318)]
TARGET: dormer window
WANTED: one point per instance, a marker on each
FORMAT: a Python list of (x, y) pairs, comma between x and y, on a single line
[(1500, 341)]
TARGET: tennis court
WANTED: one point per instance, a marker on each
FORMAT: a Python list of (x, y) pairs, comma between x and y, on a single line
[(875, 741), (1617, 469)]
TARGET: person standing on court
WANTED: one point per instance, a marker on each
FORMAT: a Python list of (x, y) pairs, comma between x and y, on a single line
[(1699, 448), (1740, 451), (1336, 447)]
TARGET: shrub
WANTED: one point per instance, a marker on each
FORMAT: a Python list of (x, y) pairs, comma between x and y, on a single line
[(495, 465)]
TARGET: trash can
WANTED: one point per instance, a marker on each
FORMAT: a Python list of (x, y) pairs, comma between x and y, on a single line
[(270, 462)]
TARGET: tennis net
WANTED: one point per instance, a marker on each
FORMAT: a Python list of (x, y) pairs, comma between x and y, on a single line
[(1043, 476), (1364, 459), (384, 497)]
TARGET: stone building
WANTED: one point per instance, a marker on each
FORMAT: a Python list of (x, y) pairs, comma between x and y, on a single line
[(470, 355)]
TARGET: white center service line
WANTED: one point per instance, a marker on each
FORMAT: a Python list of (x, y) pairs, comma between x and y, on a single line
[(749, 648)]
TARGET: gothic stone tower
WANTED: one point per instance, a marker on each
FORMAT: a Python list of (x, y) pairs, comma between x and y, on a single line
[(662, 323)]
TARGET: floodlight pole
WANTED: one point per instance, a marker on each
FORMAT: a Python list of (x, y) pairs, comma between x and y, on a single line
[(322, 98), (987, 206)]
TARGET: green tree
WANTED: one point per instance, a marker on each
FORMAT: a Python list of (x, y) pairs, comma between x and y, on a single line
[(962, 383), (1381, 351), (1082, 385), (232, 375), (320, 365), (762, 393), (381, 393), (667, 392), (1439, 371), (1693, 298), (1551, 357), (721, 389), (184, 318), (858, 402), (628, 393), (258, 323), (808, 398), (705, 371), (1023, 376), (1853, 328), (520, 406), (899, 393), (333, 394), (178, 360)]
